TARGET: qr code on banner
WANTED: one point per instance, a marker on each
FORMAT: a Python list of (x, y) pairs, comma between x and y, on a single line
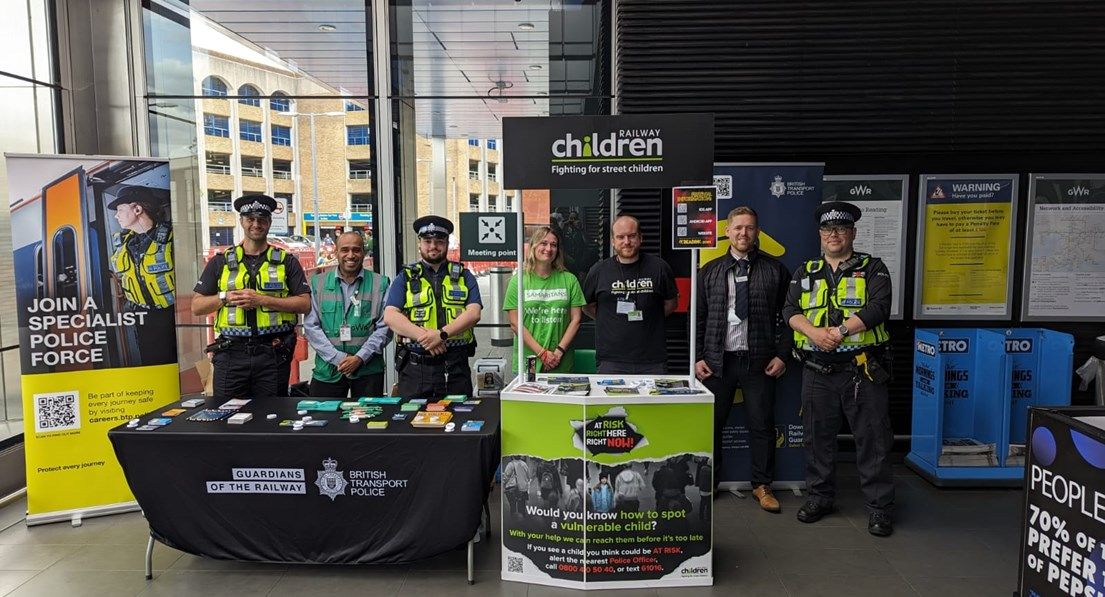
[(58, 411), (724, 186), (514, 564)]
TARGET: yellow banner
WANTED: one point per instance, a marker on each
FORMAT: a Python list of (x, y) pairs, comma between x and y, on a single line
[(95, 296), (966, 260), (70, 462)]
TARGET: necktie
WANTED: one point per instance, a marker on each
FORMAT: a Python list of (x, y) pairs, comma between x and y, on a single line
[(740, 286)]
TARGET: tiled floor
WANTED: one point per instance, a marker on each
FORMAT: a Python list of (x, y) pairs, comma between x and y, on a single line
[(947, 542)]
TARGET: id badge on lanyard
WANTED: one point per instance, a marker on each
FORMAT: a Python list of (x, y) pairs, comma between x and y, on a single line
[(345, 332)]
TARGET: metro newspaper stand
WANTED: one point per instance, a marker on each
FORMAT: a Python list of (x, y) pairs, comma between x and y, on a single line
[(979, 384), (657, 448)]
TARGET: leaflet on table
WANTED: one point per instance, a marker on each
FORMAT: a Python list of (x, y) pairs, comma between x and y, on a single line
[(234, 404), (612, 497)]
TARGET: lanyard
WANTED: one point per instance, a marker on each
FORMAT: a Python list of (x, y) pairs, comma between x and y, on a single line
[(354, 303)]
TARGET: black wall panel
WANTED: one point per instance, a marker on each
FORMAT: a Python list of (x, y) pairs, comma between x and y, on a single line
[(875, 87)]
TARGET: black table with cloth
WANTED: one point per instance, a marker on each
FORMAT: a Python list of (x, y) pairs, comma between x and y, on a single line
[(434, 485)]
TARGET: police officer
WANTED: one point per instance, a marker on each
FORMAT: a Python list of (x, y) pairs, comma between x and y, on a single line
[(838, 306), (432, 306), (346, 304), (143, 265), (257, 290)]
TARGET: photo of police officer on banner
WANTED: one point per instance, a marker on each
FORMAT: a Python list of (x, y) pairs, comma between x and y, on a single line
[(433, 306), (143, 266)]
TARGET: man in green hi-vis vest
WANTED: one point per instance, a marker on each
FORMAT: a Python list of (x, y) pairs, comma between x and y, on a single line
[(344, 325)]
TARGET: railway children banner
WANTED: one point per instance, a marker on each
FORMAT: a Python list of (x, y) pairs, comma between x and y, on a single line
[(95, 294)]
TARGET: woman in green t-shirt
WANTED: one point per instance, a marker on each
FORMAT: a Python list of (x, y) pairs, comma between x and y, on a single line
[(553, 308)]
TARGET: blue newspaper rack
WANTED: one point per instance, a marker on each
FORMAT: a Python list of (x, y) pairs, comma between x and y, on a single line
[(979, 383), (1041, 366), (959, 391)]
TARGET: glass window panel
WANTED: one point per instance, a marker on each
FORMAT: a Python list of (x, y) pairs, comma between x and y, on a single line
[(221, 236), (216, 126), (249, 95), (13, 394), (310, 71), (301, 47), (360, 169), (214, 87), (27, 125), (357, 135), (17, 57), (249, 130), (252, 166), (280, 103), (281, 135), (282, 169)]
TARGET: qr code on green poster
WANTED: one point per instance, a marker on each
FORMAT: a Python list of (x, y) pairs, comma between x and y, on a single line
[(57, 411)]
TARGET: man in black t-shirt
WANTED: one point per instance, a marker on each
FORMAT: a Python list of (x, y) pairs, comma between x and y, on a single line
[(256, 291), (628, 296)]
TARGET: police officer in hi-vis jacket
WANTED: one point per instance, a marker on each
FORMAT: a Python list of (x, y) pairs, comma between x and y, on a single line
[(257, 292), (838, 305), (433, 306)]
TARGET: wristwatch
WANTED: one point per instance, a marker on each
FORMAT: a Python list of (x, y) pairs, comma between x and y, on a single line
[(843, 329), (222, 296), (444, 335)]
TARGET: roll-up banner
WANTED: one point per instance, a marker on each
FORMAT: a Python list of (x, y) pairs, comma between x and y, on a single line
[(784, 197), (608, 152), (1064, 270), (95, 291), (881, 230), (965, 232)]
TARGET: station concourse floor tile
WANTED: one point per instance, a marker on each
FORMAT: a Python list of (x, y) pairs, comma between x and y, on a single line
[(946, 542)]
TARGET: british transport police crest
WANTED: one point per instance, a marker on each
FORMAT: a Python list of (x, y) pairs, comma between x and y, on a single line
[(331, 482), (778, 188)]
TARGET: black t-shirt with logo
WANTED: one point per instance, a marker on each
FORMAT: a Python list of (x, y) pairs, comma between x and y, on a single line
[(645, 284)]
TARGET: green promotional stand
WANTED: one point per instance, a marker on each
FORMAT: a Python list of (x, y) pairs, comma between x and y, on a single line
[(605, 488)]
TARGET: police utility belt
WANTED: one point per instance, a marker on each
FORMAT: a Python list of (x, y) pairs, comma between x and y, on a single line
[(867, 362), (252, 344), (404, 355)]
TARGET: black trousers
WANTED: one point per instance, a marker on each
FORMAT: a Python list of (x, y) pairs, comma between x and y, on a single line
[(436, 378), (864, 403), (369, 385), (246, 370), (738, 371)]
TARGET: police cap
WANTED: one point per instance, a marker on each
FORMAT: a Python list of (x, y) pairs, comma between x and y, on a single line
[(136, 193), (433, 226), (836, 213), (255, 205)]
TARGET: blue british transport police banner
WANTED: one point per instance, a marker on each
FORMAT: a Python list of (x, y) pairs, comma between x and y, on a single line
[(785, 197)]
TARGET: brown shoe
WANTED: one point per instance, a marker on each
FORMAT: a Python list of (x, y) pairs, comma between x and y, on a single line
[(766, 498)]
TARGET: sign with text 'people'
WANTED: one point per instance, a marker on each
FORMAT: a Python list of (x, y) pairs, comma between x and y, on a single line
[(597, 152)]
